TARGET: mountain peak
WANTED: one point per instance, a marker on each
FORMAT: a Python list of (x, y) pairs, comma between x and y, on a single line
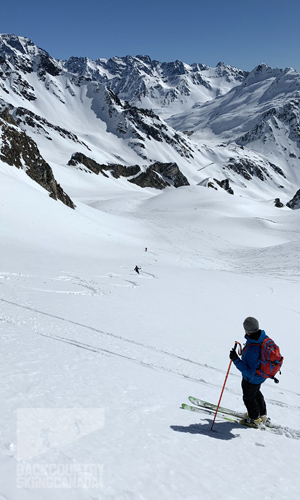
[(18, 45), (24, 55), (262, 72), (139, 111)]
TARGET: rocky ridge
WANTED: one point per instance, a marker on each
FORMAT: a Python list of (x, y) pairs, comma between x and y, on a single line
[(168, 124), (19, 150), (159, 175)]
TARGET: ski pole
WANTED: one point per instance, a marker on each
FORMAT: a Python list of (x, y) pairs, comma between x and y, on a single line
[(235, 346)]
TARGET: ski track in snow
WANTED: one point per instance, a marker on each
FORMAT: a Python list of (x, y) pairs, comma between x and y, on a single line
[(137, 352), (34, 322), (65, 283), (83, 329)]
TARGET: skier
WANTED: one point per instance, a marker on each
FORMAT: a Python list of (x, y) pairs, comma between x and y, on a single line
[(251, 381), (137, 269)]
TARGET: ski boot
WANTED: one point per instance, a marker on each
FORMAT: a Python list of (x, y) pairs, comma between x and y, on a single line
[(256, 423), (265, 419)]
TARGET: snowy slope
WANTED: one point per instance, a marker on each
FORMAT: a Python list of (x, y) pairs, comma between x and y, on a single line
[(221, 126), (261, 114), (79, 329), (167, 88), (51, 104)]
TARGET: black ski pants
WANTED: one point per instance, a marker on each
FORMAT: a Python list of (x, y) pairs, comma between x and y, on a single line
[(253, 399)]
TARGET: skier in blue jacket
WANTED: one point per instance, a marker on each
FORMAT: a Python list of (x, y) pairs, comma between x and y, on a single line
[(251, 381)]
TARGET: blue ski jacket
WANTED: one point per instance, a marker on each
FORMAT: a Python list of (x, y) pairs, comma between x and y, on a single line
[(251, 359)]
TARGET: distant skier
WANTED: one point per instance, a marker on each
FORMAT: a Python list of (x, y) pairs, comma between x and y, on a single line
[(137, 269), (248, 364)]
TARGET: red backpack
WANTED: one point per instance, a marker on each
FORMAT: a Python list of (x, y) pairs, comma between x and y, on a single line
[(271, 359)]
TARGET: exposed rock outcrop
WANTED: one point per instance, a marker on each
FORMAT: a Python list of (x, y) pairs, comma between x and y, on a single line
[(159, 175), (249, 169), (278, 203), (116, 170), (215, 183), (294, 203), (21, 151)]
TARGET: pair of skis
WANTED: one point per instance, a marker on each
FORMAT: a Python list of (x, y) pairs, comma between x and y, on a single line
[(199, 405)]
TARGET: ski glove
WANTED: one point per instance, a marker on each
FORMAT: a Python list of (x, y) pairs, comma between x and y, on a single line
[(233, 355)]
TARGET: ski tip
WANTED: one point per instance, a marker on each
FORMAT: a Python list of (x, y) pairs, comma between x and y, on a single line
[(184, 406)]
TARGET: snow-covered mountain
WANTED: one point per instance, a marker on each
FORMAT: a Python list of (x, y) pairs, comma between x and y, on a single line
[(262, 114), (166, 88), (97, 359), (219, 127)]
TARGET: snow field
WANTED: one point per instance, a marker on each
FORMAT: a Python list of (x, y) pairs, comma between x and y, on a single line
[(80, 329)]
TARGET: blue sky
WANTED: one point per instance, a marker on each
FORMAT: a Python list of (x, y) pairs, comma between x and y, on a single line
[(238, 32)]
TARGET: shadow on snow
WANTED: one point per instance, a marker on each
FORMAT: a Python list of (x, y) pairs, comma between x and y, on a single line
[(221, 430)]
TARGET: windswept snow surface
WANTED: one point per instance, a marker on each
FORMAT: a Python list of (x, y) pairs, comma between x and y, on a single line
[(81, 330)]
